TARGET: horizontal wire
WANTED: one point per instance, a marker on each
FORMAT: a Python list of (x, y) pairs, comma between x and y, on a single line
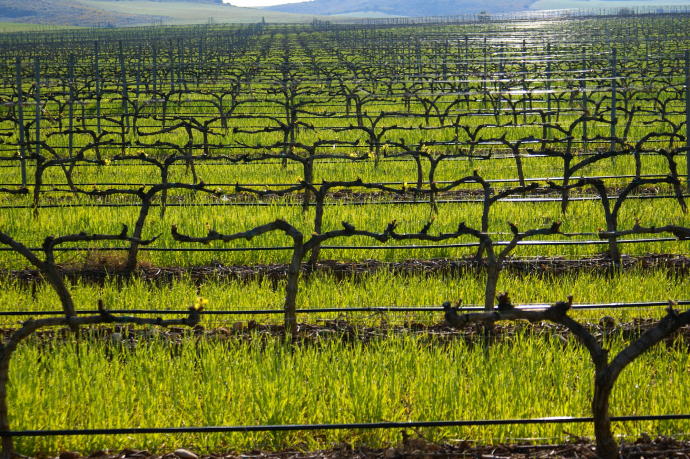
[(307, 427), (336, 203), (355, 247), (395, 309), (438, 182)]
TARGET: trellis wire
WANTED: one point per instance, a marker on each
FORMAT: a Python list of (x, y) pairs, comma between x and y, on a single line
[(356, 247), (333, 203), (392, 309), (286, 184), (307, 427)]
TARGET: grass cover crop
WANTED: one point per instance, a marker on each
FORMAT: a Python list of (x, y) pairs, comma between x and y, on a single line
[(188, 134), (194, 381)]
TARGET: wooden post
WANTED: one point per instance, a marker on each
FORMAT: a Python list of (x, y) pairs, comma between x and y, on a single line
[(97, 75), (138, 76), (614, 119), (155, 69), (485, 74), (172, 66), (123, 76), (498, 86), (37, 97), (200, 64), (523, 72), (585, 110), (70, 81), (548, 88), (687, 118), (418, 56), (467, 57), (180, 62), (20, 120)]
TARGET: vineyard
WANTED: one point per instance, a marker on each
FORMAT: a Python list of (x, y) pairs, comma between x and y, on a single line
[(263, 237)]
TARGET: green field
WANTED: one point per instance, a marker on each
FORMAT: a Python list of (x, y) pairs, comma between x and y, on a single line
[(387, 137), (7, 27), (398, 377)]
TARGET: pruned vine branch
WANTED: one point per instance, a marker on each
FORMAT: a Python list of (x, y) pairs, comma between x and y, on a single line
[(606, 372)]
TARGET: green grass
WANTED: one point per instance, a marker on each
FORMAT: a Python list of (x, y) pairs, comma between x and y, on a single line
[(156, 382), (196, 220), (399, 376), (379, 289), (8, 27), (393, 170), (93, 384)]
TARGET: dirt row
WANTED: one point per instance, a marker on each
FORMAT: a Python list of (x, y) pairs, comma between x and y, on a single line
[(349, 196), (101, 266), (336, 329), (418, 448)]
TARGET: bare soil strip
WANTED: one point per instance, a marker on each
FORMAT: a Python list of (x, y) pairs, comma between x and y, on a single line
[(104, 265), (410, 448), (337, 329)]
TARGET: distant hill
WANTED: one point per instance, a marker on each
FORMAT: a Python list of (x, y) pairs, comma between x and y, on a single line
[(119, 13), (404, 7), (63, 12), (9, 27), (207, 2)]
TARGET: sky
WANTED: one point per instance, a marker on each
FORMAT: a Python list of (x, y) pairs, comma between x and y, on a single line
[(258, 3)]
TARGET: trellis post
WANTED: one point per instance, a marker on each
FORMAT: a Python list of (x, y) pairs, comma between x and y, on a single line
[(687, 118), (155, 69), (37, 97), (614, 119), (123, 76), (138, 75), (548, 88), (97, 72), (20, 119), (485, 73), (70, 80), (585, 110), (171, 56)]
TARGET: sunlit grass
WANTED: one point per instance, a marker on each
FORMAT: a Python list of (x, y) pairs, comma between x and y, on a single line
[(403, 374), (396, 378), (378, 289)]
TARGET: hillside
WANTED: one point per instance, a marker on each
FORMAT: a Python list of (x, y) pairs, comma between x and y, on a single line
[(118, 13), (404, 7), (6, 27), (374, 8), (63, 12)]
